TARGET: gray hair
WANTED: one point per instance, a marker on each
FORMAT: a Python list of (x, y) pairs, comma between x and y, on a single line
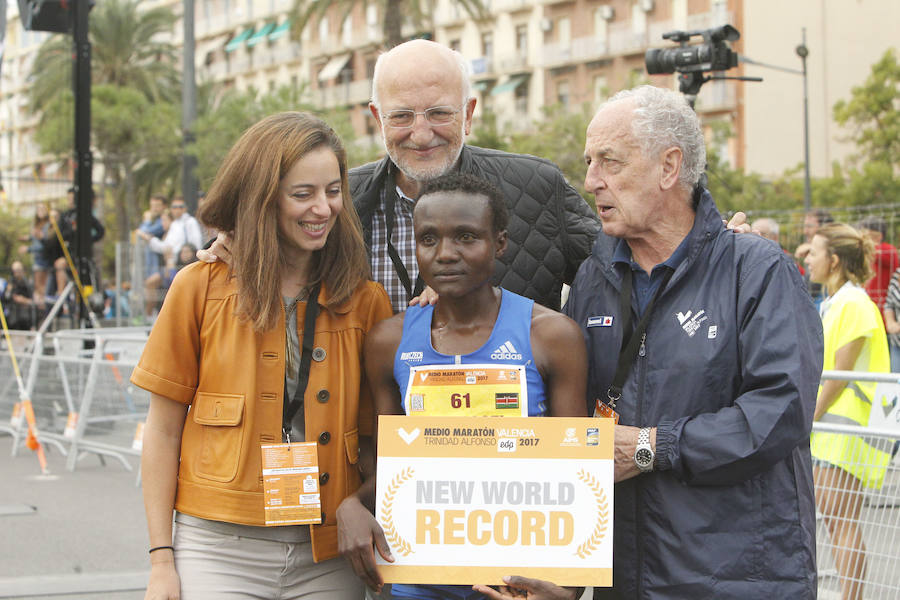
[(458, 58), (766, 225), (663, 119)]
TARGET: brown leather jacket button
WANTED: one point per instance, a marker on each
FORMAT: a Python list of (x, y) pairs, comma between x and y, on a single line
[(323, 478), (318, 354), (323, 396), (324, 437)]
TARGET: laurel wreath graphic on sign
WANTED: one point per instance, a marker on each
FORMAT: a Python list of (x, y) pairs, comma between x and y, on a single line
[(590, 544), (390, 531)]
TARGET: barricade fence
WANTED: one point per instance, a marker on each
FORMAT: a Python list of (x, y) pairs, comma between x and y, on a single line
[(77, 381), (85, 406), (857, 489)]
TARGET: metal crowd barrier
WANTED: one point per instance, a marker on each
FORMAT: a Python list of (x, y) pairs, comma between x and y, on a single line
[(858, 503), (86, 372), (77, 381)]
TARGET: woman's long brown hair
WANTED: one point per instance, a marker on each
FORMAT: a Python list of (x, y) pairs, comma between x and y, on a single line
[(243, 199)]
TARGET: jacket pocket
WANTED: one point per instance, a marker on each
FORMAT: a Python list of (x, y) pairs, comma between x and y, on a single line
[(221, 434), (351, 444)]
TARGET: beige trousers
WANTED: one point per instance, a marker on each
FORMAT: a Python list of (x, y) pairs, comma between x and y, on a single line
[(214, 566)]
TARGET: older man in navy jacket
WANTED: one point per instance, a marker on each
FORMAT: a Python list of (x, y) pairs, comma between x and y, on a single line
[(710, 361)]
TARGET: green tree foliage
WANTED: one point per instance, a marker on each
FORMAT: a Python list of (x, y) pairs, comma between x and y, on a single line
[(12, 226), (218, 129), (559, 137), (873, 112), (125, 51), (135, 87)]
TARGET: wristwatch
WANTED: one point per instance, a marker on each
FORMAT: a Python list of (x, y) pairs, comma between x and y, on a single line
[(643, 454)]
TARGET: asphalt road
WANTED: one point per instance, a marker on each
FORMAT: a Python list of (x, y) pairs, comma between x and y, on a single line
[(71, 535)]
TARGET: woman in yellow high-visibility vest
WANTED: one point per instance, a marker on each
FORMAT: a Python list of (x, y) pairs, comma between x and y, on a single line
[(855, 340)]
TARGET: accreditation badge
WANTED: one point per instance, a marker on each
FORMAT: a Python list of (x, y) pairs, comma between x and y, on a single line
[(488, 390), (291, 484)]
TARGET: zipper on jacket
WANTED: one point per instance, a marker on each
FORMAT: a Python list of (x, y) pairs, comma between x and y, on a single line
[(639, 521)]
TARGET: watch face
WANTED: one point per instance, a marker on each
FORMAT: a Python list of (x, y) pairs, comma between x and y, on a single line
[(643, 457)]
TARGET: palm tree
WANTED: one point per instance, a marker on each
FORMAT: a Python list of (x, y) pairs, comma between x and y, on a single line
[(394, 13), (125, 51), (128, 53)]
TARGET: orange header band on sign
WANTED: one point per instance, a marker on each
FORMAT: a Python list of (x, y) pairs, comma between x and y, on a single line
[(479, 437)]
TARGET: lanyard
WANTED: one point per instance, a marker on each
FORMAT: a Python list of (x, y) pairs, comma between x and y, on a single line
[(309, 331), (399, 267), (630, 344)]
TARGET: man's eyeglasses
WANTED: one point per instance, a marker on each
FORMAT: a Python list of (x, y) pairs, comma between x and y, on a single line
[(404, 118), (179, 206)]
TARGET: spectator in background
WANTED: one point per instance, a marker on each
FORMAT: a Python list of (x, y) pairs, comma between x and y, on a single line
[(160, 248), (885, 261), (811, 223), (186, 256), (769, 229), (185, 228), (152, 226), (40, 266), (840, 259), (18, 303), (892, 320), (68, 227)]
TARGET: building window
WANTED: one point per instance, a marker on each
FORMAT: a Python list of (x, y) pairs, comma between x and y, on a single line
[(638, 19), (679, 14), (564, 31), (455, 45), (487, 44), (600, 88), (522, 40), (372, 29), (521, 99), (562, 92), (347, 31), (601, 25)]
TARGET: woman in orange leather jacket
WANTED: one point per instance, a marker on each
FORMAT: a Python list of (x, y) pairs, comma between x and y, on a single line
[(228, 357)]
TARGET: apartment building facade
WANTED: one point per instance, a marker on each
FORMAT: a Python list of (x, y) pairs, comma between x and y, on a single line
[(526, 55)]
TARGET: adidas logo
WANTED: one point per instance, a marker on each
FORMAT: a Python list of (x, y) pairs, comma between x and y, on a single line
[(506, 352)]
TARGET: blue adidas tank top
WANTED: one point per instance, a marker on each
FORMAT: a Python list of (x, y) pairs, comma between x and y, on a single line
[(509, 344)]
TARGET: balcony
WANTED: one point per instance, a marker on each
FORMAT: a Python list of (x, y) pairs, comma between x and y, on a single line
[(579, 50), (624, 40), (717, 96), (482, 66), (344, 94), (501, 6), (586, 49), (449, 14), (211, 26), (513, 62), (709, 19), (554, 55)]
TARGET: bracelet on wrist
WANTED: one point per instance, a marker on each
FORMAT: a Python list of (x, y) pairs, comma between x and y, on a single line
[(152, 550)]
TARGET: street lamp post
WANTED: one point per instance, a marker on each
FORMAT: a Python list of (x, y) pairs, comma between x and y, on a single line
[(803, 52), (188, 111)]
